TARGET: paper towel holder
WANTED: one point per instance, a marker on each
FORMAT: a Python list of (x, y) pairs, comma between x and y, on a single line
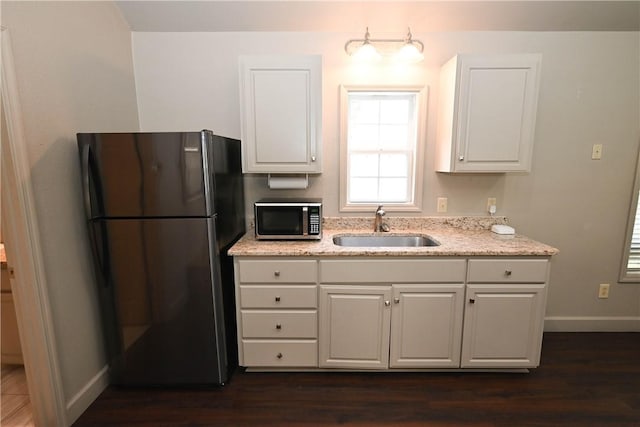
[(288, 182)]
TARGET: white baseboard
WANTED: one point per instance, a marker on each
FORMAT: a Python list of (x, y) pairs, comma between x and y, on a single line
[(90, 392), (592, 324)]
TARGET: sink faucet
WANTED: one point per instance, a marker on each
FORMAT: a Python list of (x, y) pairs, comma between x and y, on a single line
[(378, 225)]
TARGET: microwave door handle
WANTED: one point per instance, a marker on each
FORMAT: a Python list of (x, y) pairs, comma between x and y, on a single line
[(305, 221)]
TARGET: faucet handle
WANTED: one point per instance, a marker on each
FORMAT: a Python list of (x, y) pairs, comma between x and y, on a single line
[(380, 211)]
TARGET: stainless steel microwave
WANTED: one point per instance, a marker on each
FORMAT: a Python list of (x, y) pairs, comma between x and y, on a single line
[(288, 219)]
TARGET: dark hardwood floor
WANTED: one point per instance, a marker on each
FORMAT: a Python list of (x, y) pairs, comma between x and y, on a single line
[(585, 379)]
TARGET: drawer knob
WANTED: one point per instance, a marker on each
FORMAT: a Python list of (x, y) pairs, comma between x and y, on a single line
[(507, 273), (278, 326), (277, 299), (276, 273), (279, 355)]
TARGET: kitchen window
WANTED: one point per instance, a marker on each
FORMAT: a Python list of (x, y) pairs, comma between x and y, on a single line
[(630, 268), (381, 147)]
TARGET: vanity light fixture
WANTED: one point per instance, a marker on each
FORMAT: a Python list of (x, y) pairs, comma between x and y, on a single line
[(408, 49), (366, 51)]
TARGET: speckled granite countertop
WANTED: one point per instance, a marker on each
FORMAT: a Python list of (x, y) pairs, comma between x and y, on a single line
[(458, 236)]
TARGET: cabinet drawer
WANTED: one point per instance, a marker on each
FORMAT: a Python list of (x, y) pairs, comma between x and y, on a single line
[(279, 324), (252, 296), (277, 271), (393, 271), (508, 270), (280, 353)]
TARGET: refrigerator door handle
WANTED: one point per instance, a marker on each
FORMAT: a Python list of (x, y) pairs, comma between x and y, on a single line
[(84, 165), (101, 256)]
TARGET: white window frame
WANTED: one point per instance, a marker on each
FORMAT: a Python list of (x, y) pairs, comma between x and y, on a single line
[(415, 205), (632, 245)]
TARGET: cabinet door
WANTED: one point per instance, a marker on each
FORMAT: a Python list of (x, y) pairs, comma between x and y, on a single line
[(493, 102), (281, 113), (426, 326), (354, 326), (503, 326)]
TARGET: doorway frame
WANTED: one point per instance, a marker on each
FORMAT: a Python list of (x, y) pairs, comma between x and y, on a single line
[(29, 286)]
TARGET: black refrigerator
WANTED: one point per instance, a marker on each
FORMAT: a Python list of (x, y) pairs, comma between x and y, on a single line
[(162, 210)]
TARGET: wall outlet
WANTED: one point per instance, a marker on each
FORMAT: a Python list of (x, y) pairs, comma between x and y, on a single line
[(442, 204), (596, 152), (491, 201), (603, 291)]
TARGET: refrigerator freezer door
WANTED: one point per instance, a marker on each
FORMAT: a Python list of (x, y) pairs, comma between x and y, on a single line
[(166, 298), (130, 175)]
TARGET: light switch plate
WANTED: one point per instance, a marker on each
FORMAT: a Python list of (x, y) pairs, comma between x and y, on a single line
[(491, 201), (442, 204), (596, 153)]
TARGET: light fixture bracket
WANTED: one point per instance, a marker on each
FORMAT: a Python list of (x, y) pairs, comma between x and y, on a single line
[(384, 46)]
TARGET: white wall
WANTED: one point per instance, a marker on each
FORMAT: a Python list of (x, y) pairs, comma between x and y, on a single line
[(75, 74), (590, 93)]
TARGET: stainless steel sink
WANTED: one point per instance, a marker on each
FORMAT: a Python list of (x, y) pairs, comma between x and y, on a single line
[(384, 241)]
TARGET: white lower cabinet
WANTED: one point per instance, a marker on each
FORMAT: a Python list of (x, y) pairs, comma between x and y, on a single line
[(386, 323), (504, 313), (426, 326), (503, 326), (354, 326), (277, 312), (280, 354), (398, 326), (381, 313)]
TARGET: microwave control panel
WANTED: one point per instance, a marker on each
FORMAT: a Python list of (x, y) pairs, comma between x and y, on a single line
[(314, 220)]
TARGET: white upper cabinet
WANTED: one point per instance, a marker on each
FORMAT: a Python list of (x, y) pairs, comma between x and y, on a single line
[(487, 111), (281, 113)]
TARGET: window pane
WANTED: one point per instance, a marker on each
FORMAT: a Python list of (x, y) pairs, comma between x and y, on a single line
[(363, 190), (394, 111), (363, 165), (394, 190), (394, 165), (394, 137), (364, 111), (363, 137)]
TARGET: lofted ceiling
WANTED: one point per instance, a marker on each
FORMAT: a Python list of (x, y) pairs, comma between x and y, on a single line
[(339, 16)]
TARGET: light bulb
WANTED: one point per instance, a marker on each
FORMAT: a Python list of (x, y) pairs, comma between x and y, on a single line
[(409, 53), (366, 52)]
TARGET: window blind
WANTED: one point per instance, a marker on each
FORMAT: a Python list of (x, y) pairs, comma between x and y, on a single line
[(633, 263)]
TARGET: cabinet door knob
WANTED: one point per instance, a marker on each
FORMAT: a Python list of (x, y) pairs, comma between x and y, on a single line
[(387, 303), (277, 299), (278, 326), (396, 300), (507, 272), (472, 301), (313, 158), (461, 158), (279, 355), (276, 273)]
